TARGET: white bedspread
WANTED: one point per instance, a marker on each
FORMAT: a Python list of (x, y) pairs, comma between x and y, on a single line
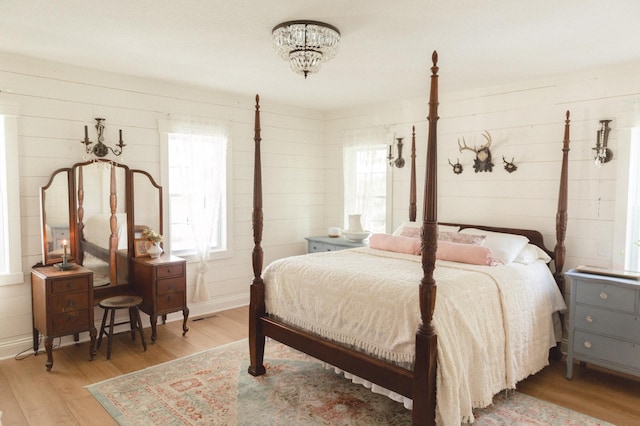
[(494, 324)]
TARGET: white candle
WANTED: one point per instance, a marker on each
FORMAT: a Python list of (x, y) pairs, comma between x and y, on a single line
[(64, 248)]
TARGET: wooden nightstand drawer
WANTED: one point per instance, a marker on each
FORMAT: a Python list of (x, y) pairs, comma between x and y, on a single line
[(607, 349), (603, 321), (69, 284), (606, 296), (175, 270)]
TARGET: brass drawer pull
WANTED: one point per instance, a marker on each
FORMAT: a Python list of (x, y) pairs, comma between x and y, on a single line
[(587, 344), (604, 296), (589, 318)]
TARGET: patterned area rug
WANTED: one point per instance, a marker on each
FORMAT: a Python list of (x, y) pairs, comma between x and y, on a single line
[(214, 388)]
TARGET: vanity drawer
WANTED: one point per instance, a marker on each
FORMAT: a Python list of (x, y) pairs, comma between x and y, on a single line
[(607, 349), (170, 285), (69, 322), (170, 302), (69, 284), (175, 270), (602, 321), (70, 302), (607, 296)]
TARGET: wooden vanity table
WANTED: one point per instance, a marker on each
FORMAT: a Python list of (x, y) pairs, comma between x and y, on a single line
[(104, 206), (62, 305)]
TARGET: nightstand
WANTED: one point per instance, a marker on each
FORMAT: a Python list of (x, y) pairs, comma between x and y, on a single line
[(604, 322), (322, 243), (62, 305)]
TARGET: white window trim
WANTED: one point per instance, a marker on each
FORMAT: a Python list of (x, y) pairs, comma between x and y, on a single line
[(12, 246), (166, 126)]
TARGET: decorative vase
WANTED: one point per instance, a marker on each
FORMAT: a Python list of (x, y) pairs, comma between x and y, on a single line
[(355, 225), (154, 250)]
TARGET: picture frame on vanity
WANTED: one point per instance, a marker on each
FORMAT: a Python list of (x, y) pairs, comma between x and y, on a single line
[(140, 247)]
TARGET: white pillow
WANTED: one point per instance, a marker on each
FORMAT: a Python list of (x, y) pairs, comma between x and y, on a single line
[(505, 247), (532, 253), (413, 225)]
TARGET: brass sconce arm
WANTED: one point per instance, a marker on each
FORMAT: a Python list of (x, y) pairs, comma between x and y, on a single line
[(399, 161), (601, 153), (99, 149)]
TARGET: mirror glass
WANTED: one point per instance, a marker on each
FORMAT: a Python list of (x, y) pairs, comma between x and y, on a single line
[(56, 217), (102, 220), (147, 199)]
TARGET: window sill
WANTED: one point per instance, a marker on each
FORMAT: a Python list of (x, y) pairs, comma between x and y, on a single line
[(12, 278), (192, 256)]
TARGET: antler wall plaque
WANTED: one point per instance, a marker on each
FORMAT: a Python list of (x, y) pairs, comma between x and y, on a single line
[(482, 162)]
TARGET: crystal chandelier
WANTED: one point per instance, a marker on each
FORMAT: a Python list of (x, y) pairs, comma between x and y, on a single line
[(305, 44)]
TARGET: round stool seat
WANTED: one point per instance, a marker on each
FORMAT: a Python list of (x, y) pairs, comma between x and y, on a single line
[(117, 302)]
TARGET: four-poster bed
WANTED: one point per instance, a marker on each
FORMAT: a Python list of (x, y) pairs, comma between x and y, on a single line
[(415, 376)]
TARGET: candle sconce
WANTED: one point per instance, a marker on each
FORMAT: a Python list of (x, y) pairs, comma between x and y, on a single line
[(99, 149), (601, 153), (399, 161)]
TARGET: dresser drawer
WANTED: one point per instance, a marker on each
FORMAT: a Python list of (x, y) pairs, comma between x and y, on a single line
[(170, 285), (170, 302), (615, 324), (316, 247), (69, 284), (68, 302), (175, 270), (607, 349), (607, 296), (71, 321)]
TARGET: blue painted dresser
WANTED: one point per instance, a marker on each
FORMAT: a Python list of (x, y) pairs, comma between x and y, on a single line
[(604, 322)]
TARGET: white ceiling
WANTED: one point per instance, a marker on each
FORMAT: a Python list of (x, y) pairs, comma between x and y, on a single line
[(384, 54)]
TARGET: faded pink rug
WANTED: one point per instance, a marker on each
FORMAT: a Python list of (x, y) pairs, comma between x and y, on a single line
[(214, 388)]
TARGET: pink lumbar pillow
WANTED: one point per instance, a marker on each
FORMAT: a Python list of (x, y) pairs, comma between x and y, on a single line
[(465, 253), (395, 243)]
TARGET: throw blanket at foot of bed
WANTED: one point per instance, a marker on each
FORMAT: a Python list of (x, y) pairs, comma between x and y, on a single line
[(494, 324)]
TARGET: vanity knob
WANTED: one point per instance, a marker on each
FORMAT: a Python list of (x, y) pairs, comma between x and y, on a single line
[(589, 318), (587, 344), (603, 296)]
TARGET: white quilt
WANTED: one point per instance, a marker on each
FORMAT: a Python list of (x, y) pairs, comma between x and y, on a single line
[(494, 324)]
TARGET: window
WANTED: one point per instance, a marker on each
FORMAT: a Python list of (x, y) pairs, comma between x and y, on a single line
[(10, 237), (632, 243), (365, 181), (197, 165)]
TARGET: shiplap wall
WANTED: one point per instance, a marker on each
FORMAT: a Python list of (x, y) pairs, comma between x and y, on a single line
[(55, 101), (526, 122)]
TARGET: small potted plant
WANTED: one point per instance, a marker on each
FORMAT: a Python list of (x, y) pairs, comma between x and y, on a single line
[(153, 247)]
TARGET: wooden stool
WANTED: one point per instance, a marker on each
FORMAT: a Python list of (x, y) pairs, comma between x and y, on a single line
[(112, 304)]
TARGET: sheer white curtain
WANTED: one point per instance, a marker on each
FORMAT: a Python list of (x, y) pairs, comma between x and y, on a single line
[(199, 150), (365, 168)]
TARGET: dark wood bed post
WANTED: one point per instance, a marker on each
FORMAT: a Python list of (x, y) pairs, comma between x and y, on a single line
[(424, 397), (256, 306), (561, 214), (113, 224), (412, 193)]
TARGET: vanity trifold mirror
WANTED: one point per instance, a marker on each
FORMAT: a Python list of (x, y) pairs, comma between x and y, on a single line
[(94, 211)]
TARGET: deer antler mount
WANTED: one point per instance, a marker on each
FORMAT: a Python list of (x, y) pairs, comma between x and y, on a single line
[(482, 162)]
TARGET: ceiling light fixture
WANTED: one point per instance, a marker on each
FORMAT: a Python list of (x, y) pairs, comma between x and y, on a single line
[(305, 44)]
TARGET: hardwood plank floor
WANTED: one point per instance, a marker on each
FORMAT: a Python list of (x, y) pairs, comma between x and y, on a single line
[(31, 396)]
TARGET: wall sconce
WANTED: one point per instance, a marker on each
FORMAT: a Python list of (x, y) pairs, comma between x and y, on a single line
[(398, 162), (100, 149), (601, 153)]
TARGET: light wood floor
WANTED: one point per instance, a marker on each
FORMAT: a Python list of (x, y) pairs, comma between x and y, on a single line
[(31, 396)]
